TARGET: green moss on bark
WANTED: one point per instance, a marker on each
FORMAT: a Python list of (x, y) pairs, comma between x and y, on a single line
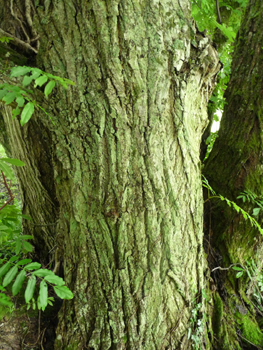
[(250, 329), (217, 315)]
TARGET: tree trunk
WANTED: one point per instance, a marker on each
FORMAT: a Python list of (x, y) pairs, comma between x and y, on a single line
[(235, 165), (116, 181)]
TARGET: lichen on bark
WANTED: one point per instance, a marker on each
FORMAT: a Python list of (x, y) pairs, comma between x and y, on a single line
[(124, 182)]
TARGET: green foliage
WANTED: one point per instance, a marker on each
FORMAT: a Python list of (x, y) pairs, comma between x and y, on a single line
[(205, 14), (231, 204), (14, 267), (251, 197), (5, 39), (210, 143), (7, 170), (16, 270), (11, 94), (255, 275)]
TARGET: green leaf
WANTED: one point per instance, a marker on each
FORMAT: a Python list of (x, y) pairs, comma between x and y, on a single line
[(18, 71), (26, 236), (18, 246), (43, 296), (20, 101), (30, 288), (10, 276), (244, 215), (33, 266), (14, 258), (18, 282), (55, 280), (27, 246), (24, 261), (256, 211), (3, 93), (4, 269), (35, 72), (16, 112), (239, 274), (41, 80), (27, 80), (5, 300), (63, 292), (8, 172), (13, 161), (26, 217), (49, 87), (237, 268), (9, 97), (43, 273), (27, 113)]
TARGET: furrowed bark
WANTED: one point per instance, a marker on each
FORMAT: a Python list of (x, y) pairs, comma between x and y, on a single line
[(120, 175)]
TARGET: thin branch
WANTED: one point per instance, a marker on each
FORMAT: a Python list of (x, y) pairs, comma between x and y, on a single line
[(18, 41), (18, 20), (218, 12), (226, 268), (9, 191)]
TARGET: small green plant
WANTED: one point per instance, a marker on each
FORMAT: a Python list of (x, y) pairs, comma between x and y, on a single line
[(13, 247), (16, 271), (255, 290), (210, 143), (231, 204), (196, 330), (16, 268), (251, 197), (21, 95), (5, 39)]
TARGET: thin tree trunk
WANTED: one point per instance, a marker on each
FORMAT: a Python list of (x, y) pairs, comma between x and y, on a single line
[(119, 172), (235, 165)]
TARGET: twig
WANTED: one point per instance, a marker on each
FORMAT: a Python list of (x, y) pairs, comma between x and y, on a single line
[(18, 41), (18, 20), (226, 268), (9, 192)]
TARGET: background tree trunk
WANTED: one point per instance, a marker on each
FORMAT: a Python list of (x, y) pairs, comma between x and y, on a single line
[(116, 182), (235, 165)]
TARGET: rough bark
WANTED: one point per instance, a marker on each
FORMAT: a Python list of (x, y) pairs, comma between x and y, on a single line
[(119, 172), (235, 165)]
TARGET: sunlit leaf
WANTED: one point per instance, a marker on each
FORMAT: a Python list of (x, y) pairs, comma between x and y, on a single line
[(43, 296), (30, 288), (43, 272), (27, 113), (18, 71), (55, 280), (4, 269), (24, 261), (41, 80), (49, 87), (27, 246), (10, 276), (9, 97), (13, 161), (18, 282), (63, 292), (33, 266)]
